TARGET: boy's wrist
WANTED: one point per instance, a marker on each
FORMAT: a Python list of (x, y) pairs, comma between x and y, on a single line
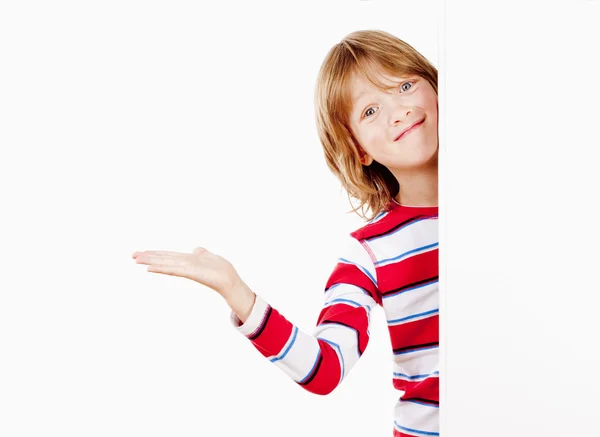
[(241, 300)]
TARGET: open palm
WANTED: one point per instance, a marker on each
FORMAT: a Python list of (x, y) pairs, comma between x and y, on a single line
[(201, 266)]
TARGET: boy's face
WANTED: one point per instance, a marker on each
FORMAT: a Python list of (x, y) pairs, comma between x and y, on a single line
[(380, 121)]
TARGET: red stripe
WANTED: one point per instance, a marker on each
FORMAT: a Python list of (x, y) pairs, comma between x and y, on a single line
[(329, 373), (388, 222), (275, 335), (429, 388), (417, 332), (408, 271), (401, 434)]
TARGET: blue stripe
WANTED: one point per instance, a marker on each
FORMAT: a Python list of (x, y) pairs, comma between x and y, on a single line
[(339, 351), (429, 246), (378, 216), (425, 375), (411, 288), (351, 285), (414, 316), (288, 348), (343, 300), (418, 431), (361, 268), (334, 286), (403, 227), (415, 350), (313, 367)]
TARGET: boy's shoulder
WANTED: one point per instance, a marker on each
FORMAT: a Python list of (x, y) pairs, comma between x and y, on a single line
[(393, 218)]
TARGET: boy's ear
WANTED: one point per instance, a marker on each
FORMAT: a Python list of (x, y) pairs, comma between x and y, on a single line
[(365, 159)]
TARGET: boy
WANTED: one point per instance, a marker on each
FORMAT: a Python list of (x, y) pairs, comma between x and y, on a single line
[(377, 117)]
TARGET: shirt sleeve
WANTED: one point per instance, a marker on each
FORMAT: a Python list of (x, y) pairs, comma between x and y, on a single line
[(320, 361)]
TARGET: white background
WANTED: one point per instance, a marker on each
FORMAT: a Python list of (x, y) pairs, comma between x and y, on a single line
[(168, 125), (520, 234), (151, 125)]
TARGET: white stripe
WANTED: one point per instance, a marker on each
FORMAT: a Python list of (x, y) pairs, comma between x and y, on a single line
[(300, 358), (418, 362), (356, 254), (254, 320), (413, 378), (410, 302), (420, 234), (349, 292), (417, 417)]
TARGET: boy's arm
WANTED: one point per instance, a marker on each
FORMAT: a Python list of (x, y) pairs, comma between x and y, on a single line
[(318, 362)]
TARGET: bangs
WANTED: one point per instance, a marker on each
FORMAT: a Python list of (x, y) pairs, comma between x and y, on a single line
[(383, 73)]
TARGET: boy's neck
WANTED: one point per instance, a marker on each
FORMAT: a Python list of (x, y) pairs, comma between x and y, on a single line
[(419, 187)]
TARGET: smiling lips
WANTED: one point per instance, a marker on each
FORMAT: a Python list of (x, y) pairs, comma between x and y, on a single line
[(411, 128)]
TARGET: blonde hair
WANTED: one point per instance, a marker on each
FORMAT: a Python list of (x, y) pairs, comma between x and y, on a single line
[(369, 53)]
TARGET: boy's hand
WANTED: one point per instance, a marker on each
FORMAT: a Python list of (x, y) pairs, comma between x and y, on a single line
[(201, 266)]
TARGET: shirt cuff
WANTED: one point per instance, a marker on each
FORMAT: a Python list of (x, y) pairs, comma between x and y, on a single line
[(255, 320)]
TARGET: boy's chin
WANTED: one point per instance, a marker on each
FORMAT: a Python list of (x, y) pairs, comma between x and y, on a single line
[(420, 161)]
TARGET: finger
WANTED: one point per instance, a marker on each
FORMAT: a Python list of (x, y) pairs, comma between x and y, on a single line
[(155, 259), (165, 260), (158, 252), (177, 270), (137, 254)]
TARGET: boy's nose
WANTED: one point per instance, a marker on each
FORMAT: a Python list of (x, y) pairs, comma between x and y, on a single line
[(400, 115)]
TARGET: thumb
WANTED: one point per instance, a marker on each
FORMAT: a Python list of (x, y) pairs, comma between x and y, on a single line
[(199, 250)]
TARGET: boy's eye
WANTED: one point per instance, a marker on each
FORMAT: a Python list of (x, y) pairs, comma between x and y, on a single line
[(370, 112), (402, 88)]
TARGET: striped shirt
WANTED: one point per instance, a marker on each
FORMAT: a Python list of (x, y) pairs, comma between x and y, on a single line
[(392, 262)]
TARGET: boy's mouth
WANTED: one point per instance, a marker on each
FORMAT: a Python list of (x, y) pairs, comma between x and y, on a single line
[(410, 128)]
